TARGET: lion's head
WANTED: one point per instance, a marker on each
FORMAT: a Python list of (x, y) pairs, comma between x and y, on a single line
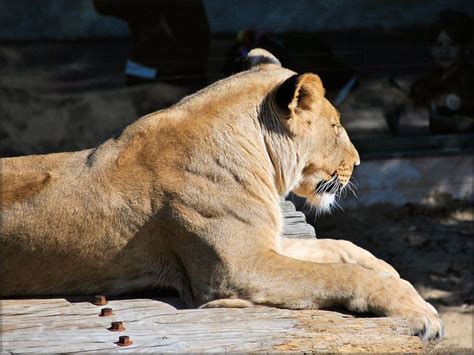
[(321, 155)]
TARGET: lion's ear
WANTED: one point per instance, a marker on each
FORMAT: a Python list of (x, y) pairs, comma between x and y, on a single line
[(260, 56), (300, 92)]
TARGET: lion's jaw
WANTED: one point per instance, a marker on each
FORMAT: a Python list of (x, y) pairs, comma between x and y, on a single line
[(323, 202)]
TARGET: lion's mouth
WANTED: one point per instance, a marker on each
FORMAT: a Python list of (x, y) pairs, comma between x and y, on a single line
[(335, 187), (327, 192), (332, 186)]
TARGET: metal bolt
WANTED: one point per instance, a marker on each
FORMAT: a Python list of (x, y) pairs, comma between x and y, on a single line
[(116, 327), (106, 312), (100, 300), (124, 340)]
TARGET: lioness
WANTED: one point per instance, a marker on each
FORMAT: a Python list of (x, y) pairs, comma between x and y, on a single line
[(188, 197)]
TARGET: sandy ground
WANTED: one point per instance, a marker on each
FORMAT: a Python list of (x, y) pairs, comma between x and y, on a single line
[(431, 246)]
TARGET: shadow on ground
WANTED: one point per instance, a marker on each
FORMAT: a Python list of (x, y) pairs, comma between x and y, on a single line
[(430, 246)]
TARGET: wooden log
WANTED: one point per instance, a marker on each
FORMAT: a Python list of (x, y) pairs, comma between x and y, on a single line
[(57, 325), (294, 222)]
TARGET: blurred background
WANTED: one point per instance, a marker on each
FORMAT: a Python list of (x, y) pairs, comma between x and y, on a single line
[(74, 73)]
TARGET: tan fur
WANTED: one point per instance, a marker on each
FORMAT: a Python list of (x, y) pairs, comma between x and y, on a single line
[(188, 197), (22, 186), (334, 251)]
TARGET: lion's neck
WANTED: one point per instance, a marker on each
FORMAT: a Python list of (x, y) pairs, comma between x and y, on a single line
[(283, 154), (285, 160)]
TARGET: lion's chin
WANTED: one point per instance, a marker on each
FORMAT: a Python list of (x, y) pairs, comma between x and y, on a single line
[(323, 202)]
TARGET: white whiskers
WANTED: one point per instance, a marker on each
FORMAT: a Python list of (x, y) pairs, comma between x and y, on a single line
[(329, 191)]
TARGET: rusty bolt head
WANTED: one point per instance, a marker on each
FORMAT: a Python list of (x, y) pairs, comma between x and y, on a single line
[(124, 340), (106, 312), (117, 327), (100, 300)]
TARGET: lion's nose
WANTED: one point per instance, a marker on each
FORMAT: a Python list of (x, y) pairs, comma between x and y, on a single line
[(357, 158)]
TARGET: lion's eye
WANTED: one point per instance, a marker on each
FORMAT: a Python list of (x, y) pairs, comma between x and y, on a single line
[(336, 128)]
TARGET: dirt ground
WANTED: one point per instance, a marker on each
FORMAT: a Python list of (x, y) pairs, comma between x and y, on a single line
[(431, 246)]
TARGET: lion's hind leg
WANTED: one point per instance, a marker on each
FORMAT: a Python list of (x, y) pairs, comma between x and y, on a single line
[(228, 303), (334, 251)]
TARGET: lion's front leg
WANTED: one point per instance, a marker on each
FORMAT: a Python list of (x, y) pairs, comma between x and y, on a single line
[(334, 251), (271, 279), (241, 271)]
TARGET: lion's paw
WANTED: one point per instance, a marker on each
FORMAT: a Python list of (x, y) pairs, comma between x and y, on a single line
[(351, 253), (423, 319), (380, 266), (425, 325)]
